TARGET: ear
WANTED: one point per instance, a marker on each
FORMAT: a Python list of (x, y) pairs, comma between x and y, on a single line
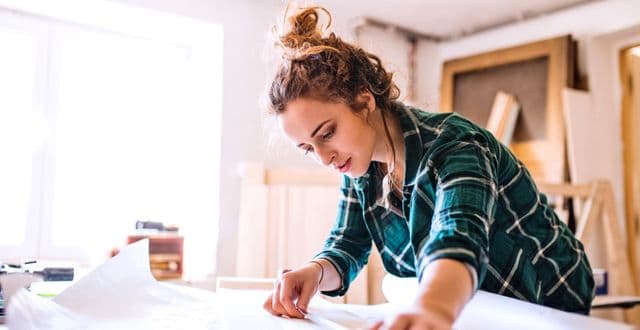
[(369, 99)]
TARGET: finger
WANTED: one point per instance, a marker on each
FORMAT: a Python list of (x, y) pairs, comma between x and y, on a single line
[(307, 292), (401, 322), (268, 305), (288, 293), (422, 326), (284, 271), (377, 325), (267, 302), (276, 306)]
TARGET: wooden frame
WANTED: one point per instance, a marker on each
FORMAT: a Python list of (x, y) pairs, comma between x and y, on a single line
[(598, 216), (545, 158), (631, 156)]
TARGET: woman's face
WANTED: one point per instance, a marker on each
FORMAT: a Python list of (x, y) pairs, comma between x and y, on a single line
[(332, 133)]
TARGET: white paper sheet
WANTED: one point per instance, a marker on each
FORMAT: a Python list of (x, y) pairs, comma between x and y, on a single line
[(489, 311), (243, 310), (120, 294)]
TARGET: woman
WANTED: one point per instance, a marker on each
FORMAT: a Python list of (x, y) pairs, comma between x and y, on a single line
[(439, 197)]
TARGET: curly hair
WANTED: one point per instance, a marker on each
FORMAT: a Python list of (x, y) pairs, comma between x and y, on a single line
[(325, 68)]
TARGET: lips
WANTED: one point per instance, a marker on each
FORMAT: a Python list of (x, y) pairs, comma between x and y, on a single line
[(345, 167)]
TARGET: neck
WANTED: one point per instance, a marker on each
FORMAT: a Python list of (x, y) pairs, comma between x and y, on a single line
[(383, 152)]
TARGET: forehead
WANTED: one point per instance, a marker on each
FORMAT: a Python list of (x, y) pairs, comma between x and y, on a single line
[(302, 116)]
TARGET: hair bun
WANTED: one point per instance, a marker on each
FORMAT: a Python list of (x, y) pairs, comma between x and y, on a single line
[(302, 28)]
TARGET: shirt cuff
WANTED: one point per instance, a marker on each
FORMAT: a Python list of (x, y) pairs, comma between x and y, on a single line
[(342, 289), (474, 276)]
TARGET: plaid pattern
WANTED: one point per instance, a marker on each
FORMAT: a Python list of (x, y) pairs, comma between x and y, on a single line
[(465, 197)]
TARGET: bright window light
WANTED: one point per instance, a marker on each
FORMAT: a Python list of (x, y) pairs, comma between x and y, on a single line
[(20, 134), (130, 146), (109, 115)]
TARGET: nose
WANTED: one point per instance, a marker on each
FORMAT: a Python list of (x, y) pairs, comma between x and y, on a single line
[(325, 156)]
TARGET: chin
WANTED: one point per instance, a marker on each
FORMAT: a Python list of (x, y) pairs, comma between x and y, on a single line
[(356, 173)]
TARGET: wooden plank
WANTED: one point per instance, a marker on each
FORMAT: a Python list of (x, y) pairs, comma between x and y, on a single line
[(376, 273), (591, 211), (278, 221), (302, 176), (580, 123), (572, 190), (252, 231), (617, 253), (502, 120), (630, 122)]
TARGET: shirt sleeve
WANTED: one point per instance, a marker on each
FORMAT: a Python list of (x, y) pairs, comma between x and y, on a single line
[(349, 242), (465, 198)]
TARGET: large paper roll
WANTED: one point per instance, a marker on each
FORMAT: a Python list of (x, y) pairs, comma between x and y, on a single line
[(399, 291)]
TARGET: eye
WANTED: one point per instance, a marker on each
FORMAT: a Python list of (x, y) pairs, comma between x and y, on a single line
[(329, 133), (307, 150)]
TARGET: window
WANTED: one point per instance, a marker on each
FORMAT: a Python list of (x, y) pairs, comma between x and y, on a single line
[(125, 128), (22, 130)]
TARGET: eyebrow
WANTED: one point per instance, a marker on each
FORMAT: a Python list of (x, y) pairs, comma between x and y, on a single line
[(315, 131)]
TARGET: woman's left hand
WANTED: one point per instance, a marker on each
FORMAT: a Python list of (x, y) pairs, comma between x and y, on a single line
[(417, 318), (445, 288)]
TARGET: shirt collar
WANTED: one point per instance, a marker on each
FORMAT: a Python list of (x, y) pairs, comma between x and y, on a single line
[(413, 150)]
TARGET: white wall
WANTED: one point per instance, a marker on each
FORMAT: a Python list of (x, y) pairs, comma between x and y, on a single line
[(427, 67), (393, 50)]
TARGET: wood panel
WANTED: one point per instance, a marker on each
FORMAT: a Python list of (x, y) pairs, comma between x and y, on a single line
[(630, 121), (285, 217)]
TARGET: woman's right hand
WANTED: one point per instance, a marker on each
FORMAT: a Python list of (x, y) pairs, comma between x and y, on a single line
[(293, 291)]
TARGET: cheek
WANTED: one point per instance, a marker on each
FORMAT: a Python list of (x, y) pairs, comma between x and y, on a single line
[(353, 141), (363, 145), (365, 139)]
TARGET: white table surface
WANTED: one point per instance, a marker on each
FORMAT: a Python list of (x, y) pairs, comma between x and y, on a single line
[(242, 309)]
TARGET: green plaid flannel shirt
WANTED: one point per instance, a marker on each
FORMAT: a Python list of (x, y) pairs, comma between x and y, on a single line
[(465, 197)]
